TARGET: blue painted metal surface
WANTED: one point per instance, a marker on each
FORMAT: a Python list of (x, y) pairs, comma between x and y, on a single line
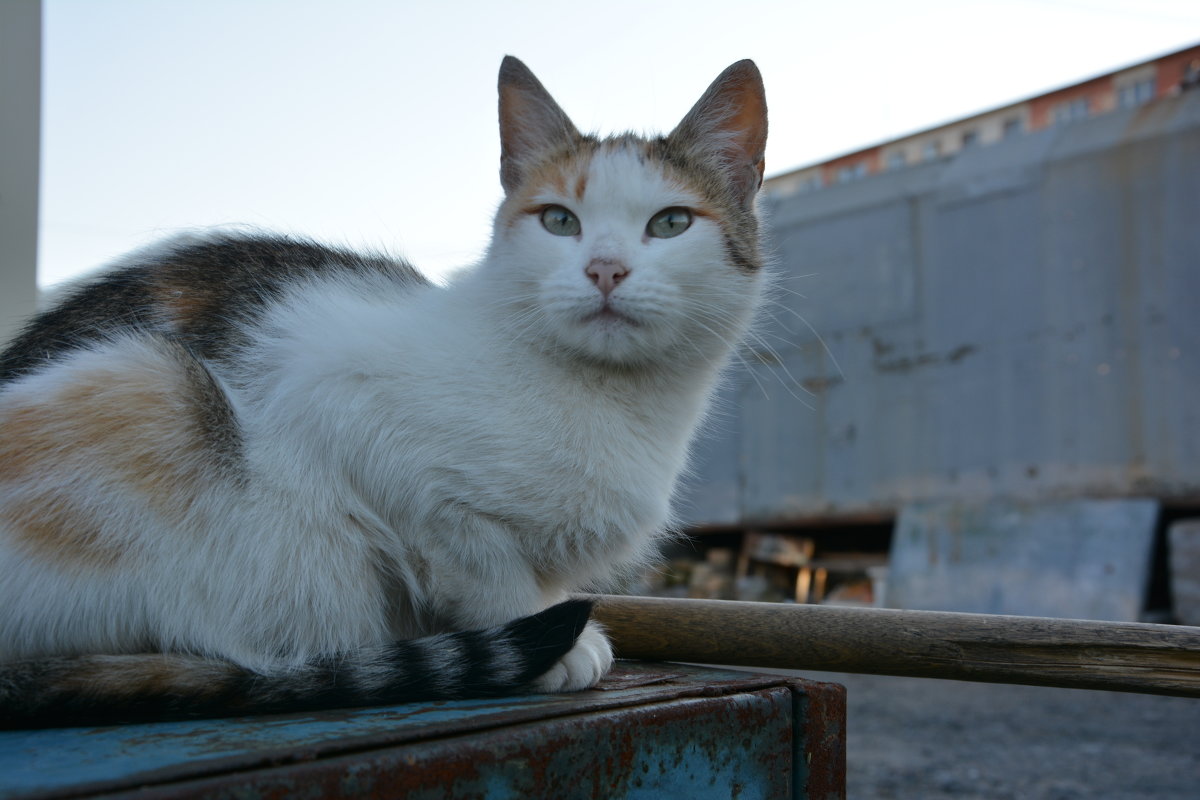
[(649, 731), (1016, 321), (1074, 559)]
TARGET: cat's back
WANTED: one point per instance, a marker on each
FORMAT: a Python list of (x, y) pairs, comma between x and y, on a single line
[(200, 291), (128, 454)]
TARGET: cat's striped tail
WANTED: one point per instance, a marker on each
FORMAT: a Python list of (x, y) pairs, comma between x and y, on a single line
[(102, 689)]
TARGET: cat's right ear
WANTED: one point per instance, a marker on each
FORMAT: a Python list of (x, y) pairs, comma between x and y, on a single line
[(728, 128), (530, 121)]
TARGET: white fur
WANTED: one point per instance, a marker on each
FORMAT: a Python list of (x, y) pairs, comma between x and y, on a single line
[(443, 458)]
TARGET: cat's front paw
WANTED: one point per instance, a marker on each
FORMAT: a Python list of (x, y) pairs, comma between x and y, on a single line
[(582, 667)]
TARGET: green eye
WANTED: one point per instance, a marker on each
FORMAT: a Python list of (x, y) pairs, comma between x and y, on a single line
[(669, 222), (560, 221)]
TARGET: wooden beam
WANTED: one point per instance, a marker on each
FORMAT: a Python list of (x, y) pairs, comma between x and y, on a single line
[(1080, 654)]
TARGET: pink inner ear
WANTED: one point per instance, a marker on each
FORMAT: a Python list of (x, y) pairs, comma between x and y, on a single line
[(530, 120), (749, 125), (730, 122)]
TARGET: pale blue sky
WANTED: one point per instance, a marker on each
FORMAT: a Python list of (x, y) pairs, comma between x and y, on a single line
[(373, 123)]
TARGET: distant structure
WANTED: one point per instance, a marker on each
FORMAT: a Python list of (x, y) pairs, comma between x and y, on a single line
[(984, 358), (1013, 318), (1124, 88)]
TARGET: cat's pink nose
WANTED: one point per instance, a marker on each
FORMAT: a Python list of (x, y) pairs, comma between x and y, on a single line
[(606, 274)]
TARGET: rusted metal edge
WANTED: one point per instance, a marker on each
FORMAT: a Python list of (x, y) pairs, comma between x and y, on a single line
[(466, 765), (636, 684), (819, 767)]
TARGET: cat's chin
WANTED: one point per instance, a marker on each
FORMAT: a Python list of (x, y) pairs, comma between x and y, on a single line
[(610, 337)]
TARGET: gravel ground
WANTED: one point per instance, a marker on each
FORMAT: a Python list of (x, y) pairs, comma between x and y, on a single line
[(920, 738)]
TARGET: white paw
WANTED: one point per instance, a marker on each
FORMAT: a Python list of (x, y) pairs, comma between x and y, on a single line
[(582, 667)]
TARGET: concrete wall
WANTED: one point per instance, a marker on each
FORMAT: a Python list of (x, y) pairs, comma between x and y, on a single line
[(1017, 321), (20, 109)]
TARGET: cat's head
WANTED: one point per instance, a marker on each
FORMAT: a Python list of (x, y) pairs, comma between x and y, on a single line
[(630, 250)]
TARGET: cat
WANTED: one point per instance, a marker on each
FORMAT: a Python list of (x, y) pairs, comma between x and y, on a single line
[(247, 472)]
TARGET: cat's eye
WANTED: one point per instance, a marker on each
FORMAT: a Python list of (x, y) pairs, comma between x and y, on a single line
[(669, 222), (560, 221)]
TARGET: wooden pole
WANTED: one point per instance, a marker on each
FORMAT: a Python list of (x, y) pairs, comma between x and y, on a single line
[(1080, 654)]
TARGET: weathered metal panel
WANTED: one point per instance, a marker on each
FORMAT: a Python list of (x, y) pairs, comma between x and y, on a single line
[(1183, 541), (1016, 321), (715, 456), (1075, 559), (819, 755), (648, 731), (695, 748)]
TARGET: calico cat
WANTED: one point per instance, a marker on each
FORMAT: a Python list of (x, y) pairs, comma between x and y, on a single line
[(244, 473)]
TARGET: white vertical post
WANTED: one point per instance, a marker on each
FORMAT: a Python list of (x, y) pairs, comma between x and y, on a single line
[(20, 125)]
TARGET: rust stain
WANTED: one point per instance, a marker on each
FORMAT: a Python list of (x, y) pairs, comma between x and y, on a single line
[(702, 732), (725, 744), (821, 710), (910, 363), (821, 385)]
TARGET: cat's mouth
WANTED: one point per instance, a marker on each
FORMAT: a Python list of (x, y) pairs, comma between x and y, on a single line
[(607, 315)]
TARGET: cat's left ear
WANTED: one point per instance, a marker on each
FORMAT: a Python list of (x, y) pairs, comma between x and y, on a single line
[(728, 126), (530, 121)]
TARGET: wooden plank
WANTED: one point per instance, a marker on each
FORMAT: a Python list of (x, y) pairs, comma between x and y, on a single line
[(1081, 654)]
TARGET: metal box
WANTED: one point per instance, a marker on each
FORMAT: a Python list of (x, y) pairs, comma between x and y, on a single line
[(648, 731)]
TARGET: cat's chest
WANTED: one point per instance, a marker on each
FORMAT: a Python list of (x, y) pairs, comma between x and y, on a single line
[(467, 429), (540, 459), (567, 456)]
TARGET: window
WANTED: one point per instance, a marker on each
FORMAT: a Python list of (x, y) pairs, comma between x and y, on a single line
[(896, 160), (1134, 94), (1191, 75), (970, 139), (852, 172), (1013, 126), (930, 151), (1071, 111), (810, 183)]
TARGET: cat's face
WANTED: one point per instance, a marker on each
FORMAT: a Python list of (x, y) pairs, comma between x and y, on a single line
[(627, 250), (611, 257)]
